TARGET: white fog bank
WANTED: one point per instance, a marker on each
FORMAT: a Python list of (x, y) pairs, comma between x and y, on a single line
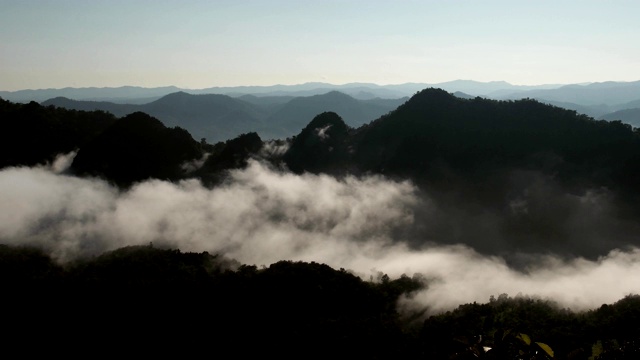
[(260, 216)]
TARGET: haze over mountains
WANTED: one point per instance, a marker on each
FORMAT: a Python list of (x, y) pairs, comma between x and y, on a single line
[(129, 94), (629, 116), (218, 117), (280, 111)]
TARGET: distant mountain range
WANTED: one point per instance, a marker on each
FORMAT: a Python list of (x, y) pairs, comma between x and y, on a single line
[(291, 118), (609, 93), (123, 94), (218, 117), (595, 99), (361, 91), (599, 100), (628, 116)]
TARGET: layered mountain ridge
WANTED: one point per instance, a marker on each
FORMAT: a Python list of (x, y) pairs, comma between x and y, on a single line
[(217, 117), (534, 172)]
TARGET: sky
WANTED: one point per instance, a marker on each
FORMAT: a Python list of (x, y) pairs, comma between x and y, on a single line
[(199, 44)]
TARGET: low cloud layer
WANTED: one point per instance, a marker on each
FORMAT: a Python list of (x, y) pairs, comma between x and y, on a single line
[(260, 216)]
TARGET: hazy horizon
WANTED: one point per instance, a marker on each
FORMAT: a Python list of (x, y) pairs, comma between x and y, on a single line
[(314, 82), (202, 44)]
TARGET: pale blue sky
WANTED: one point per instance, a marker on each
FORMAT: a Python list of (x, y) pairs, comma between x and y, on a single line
[(199, 44)]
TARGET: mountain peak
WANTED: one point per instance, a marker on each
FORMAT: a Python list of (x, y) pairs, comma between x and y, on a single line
[(177, 94), (433, 96), (321, 143), (325, 120)]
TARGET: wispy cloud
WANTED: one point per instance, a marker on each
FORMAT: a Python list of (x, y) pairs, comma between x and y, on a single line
[(261, 215)]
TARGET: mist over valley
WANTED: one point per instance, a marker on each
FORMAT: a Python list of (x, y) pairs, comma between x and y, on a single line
[(448, 199), (320, 180), (512, 185)]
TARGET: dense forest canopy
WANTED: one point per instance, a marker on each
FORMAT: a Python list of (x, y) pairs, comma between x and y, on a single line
[(149, 295), (515, 194)]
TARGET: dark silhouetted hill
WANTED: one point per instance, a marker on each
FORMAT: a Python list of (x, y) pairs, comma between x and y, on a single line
[(321, 146), (442, 139), (156, 301), (231, 154), (163, 300), (135, 148), (504, 175), (34, 134), (471, 138)]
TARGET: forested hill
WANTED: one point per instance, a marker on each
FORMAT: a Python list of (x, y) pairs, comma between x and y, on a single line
[(33, 134), (157, 301), (123, 151), (436, 139), (501, 175), (498, 176), (152, 300), (135, 148), (476, 145)]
